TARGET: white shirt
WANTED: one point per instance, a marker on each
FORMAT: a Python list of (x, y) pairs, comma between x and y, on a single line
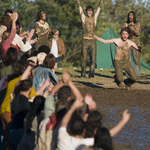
[(67, 142), (54, 48), (18, 41)]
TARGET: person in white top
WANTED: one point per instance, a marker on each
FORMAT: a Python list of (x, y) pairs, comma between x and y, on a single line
[(56, 45), (24, 47), (54, 48), (71, 142)]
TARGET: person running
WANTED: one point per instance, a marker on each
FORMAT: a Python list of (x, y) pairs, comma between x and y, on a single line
[(121, 61), (89, 43), (135, 29)]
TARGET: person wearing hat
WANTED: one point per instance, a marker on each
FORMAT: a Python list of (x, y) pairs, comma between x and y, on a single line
[(56, 45)]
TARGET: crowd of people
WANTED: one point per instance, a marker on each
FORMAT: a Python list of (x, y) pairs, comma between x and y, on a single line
[(37, 112), (36, 109)]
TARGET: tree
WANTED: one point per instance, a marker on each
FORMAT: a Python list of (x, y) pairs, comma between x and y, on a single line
[(64, 15)]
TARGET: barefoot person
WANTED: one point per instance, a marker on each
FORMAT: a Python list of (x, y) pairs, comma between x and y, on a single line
[(135, 30), (121, 61), (89, 43)]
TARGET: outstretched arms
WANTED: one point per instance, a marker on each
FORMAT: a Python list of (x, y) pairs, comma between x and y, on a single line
[(81, 11), (98, 10), (102, 40), (138, 48)]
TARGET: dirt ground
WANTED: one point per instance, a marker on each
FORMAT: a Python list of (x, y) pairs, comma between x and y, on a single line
[(112, 101)]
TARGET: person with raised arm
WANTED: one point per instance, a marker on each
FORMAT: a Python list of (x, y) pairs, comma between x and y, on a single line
[(7, 37), (89, 43), (121, 61)]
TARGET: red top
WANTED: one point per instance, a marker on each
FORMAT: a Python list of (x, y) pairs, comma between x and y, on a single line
[(7, 43)]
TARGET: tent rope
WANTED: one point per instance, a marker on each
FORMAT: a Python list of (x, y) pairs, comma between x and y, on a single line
[(69, 56)]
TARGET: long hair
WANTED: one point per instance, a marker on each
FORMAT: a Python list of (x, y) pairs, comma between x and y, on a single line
[(49, 61), (36, 108), (19, 67), (103, 139), (39, 15), (134, 17), (11, 57), (18, 26), (94, 121), (5, 20)]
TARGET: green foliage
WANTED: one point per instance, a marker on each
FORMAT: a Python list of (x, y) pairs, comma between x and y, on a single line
[(64, 15)]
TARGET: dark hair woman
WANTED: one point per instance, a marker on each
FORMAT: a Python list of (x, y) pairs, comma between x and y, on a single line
[(103, 139), (9, 62), (94, 121)]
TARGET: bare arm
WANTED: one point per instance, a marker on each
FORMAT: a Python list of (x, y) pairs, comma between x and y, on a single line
[(42, 88), (138, 48), (78, 103), (102, 40), (74, 89), (98, 10), (14, 19), (23, 33), (121, 124), (26, 73), (33, 41), (91, 105), (81, 11), (57, 87)]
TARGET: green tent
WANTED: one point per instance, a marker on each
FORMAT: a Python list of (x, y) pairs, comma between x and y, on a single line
[(106, 52)]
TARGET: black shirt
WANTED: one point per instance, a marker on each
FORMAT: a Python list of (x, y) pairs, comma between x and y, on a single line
[(19, 108)]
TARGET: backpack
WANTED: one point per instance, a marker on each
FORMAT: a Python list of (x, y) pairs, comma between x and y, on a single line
[(45, 134)]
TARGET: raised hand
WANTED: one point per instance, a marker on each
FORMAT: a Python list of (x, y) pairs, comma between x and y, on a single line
[(66, 76), (100, 3), (15, 16), (89, 101), (78, 2), (125, 116)]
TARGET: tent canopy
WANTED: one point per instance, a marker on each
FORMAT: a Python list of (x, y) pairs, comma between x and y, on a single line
[(106, 52)]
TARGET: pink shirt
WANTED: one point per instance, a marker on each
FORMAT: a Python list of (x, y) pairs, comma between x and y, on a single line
[(7, 43)]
